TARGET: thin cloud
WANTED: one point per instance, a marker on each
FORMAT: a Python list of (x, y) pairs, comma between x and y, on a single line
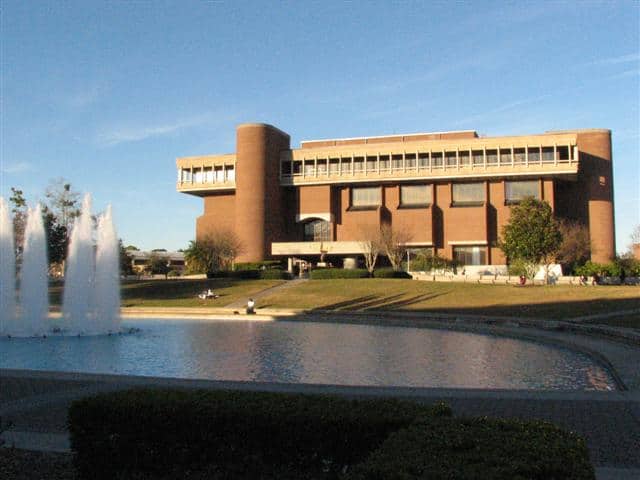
[(82, 98), (630, 57), (629, 73), (20, 167), (136, 134)]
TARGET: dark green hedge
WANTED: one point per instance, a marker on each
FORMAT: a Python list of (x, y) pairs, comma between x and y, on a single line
[(268, 274), (389, 273), (478, 449), (164, 431), (331, 273), (267, 264)]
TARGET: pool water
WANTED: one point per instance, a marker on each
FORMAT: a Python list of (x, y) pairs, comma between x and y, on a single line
[(314, 353)]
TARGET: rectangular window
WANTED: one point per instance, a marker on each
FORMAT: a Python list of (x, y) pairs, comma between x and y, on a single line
[(516, 191), (464, 158), (415, 195), (208, 174), (334, 166), (423, 160), (547, 154), (372, 164), (478, 157), (384, 163), (396, 162), (468, 194), (410, 160), (322, 166), (450, 159), (309, 168), (219, 174), (230, 173), (519, 155), (534, 154), (505, 157), (197, 175), (365, 197), (358, 164), (436, 159), (492, 157), (470, 255)]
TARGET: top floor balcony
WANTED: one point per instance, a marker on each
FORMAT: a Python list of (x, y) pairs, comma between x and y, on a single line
[(470, 158), (200, 175)]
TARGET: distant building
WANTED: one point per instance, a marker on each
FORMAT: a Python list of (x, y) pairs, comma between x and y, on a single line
[(140, 260), (450, 191), (636, 251)]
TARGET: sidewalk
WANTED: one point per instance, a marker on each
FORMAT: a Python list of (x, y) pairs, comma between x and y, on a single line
[(37, 402)]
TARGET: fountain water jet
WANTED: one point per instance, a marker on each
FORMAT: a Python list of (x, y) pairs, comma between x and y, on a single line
[(79, 278), (34, 292), (107, 284), (8, 315)]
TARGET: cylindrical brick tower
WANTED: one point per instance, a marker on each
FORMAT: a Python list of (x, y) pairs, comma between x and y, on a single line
[(597, 181), (258, 209)]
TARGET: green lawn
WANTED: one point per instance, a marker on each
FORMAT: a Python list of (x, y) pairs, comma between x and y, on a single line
[(558, 302), (181, 293), (555, 302)]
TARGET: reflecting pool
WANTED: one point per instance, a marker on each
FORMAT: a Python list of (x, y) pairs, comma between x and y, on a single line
[(306, 352)]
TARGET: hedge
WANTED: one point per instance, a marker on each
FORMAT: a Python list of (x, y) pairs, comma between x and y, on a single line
[(267, 264), (390, 273), (268, 274), (478, 448), (331, 273), (163, 431)]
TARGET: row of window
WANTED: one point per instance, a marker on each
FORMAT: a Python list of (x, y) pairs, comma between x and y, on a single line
[(218, 174), (425, 160), (462, 194)]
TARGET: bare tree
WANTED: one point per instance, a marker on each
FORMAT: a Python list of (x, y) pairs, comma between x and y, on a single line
[(216, 251), (371, 246), (394, 243), (635, 235), (575, 248)]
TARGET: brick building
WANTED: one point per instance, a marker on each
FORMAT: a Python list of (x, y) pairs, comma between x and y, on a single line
[(448, 191)]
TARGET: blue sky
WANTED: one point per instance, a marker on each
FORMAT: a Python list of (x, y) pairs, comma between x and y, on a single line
[(108, 94)]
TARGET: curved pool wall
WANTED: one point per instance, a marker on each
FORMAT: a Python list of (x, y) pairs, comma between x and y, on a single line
[(313, 353)]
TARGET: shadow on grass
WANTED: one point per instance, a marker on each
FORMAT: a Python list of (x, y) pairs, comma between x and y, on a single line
[(377, 302)]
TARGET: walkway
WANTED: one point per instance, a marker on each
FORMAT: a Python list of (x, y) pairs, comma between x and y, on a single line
[(36, 403)]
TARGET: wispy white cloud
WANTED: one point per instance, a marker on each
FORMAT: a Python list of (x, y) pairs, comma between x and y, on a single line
[(138, 133), (81, 98), (630, 57), (628, 73), (15, 168), (503, 108)]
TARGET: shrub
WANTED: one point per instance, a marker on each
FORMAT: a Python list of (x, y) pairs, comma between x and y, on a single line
[(163, 431), (274, 274), (173, 273), (390, 273), (331, 273), (521, 267), (589, 269), (267, 264), (478, 449)]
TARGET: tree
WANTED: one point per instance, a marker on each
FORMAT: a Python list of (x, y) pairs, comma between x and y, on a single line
[(19, 210), (158, 265), (215, 252), (63, 202), (125, 260), (394, 244), (532, 234), (575, 248), (371, 247)]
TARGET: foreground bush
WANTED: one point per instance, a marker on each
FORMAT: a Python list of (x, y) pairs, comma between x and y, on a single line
[(331, 273), (164, 431), (390, 273), (478, 449), (267, 264)]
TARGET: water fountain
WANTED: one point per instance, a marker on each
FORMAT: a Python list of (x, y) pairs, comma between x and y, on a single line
[(7, 272), (91, 303)]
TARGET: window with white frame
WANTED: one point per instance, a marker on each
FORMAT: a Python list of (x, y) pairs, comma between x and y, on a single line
[(364, 197), (415, 195), (468, 193), (515, 191), (470, 255)]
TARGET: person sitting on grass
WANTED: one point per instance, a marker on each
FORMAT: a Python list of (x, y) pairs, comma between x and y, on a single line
[(251, 307)]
